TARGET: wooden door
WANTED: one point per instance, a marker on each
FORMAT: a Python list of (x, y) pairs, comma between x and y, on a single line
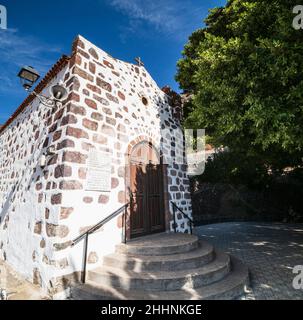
[(146, 188)]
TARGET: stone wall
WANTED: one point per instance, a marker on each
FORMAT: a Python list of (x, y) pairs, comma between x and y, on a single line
[(112, 105), (219, 202)]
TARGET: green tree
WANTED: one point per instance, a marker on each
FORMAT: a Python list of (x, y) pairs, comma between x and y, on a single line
[(245, 73)]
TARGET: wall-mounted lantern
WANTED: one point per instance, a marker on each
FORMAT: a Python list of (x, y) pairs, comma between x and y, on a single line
[(29, 76)]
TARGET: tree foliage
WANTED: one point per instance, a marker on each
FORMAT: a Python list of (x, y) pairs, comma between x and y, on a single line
[(245, 71)]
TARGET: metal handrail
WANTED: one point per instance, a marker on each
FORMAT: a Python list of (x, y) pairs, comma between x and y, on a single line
[(95, 228), (191, 222)]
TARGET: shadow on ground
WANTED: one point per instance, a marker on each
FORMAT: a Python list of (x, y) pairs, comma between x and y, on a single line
[(269, 250)]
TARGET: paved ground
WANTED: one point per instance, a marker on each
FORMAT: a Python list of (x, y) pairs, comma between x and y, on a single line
[(269, 250), (16, 287)]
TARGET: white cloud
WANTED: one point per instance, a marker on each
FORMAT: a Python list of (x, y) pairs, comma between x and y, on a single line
[(16, 51), (174, 18), (15, 48)]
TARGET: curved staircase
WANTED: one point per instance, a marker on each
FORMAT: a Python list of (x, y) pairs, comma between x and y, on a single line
[(165, 266)]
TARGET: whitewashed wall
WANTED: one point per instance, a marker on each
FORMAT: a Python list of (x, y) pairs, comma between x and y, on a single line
[(24, 242)]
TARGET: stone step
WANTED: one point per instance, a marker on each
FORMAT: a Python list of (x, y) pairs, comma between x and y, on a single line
[(160, 244), (231, 287), (182, 261), (163, 280)]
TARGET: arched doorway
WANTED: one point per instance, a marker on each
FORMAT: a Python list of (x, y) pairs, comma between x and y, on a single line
[(147, 210)]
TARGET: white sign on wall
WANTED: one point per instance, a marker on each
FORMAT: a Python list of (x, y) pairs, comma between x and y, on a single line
[(99, 171)]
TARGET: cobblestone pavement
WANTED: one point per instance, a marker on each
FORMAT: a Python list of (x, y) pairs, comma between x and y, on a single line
[(269, 250)]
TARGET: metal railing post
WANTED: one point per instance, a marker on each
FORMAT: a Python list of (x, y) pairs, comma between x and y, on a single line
[(175, 224), (175, 208), (85, 258), (125, 213), (85, 236)]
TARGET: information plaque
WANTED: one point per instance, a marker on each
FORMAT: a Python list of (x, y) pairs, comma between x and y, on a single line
[(99, 171)]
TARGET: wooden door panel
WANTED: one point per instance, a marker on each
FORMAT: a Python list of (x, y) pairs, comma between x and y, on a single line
[(147, 201), (156, 214), (137, 216), (155, 199), (137, 200)]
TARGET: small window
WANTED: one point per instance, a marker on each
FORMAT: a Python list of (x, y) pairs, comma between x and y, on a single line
[(144, 101)]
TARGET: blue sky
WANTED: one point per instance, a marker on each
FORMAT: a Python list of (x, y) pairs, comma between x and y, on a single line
[(40, 31)]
